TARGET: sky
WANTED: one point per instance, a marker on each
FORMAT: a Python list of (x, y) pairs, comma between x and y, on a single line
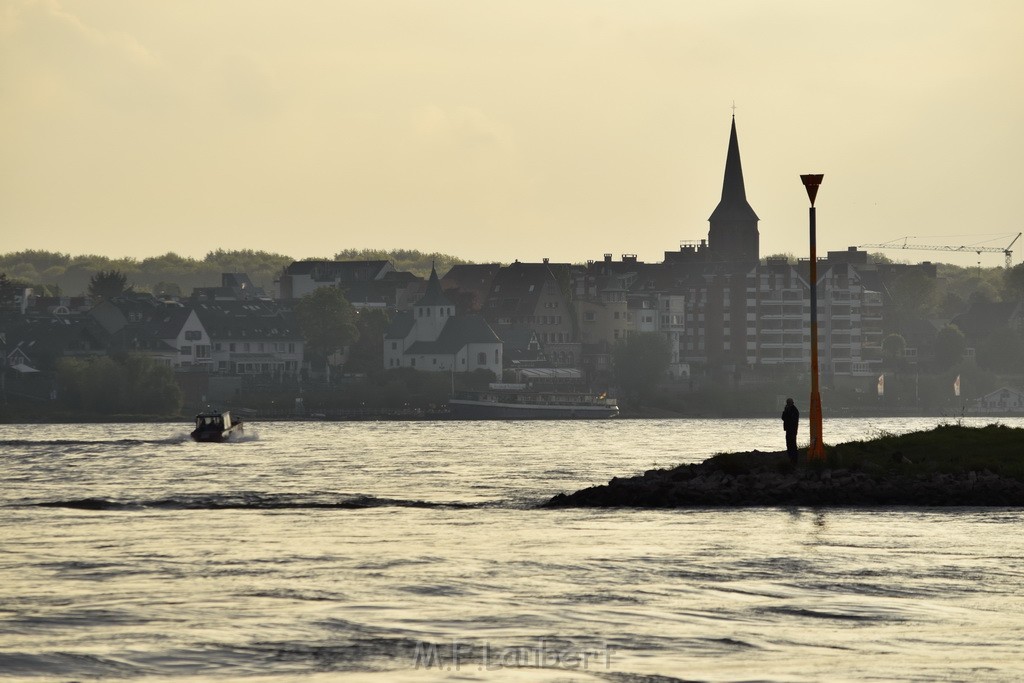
[(507, 130)]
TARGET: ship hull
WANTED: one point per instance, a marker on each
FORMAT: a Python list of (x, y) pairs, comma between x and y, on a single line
[(464, 409)]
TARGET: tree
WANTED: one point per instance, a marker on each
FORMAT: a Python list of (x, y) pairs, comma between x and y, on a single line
[(949, 346), (107, 284), (132, 385), (412, 260), (913, 291), (1003, 351), (150, 387), (166, 289), (326, 320), (8, 293), (640, 363), (1013, 282), (951, 305), (366, 355), (893, 348)]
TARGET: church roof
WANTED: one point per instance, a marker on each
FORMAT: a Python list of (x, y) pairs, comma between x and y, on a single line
[(434, 296), (458, 332), (733, 205)]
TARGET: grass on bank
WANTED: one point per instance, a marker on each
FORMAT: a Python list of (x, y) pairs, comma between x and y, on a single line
[(946, 449)]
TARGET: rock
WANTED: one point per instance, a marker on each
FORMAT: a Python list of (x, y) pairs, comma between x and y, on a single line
[(802, 487)]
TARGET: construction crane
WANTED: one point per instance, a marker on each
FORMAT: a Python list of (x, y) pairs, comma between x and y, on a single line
[(894, 244)]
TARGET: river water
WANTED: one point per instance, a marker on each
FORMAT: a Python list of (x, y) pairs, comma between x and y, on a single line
[(414, 551)]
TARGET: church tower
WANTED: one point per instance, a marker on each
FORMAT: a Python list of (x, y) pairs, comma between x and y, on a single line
[(733, 236), (432, 311)]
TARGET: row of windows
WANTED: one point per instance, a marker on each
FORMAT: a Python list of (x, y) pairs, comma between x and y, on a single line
[(260, 347), (530, 320), (481, 359), (202, 351), (563, 358), (442, 312), (591, 316), (257, 368)]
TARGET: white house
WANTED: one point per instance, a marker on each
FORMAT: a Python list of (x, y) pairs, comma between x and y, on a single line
[(251, 337), (1003, 400), (180, 328), (431, 337), (169, 332)]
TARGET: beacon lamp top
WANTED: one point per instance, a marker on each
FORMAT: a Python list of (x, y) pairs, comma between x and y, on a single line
[(811, 181)]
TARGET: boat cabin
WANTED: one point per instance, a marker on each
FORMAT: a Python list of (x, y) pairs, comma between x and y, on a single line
[(213, 421)]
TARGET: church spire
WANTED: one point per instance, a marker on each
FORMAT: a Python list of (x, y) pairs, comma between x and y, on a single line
[(733, 235), (733, 205), (434, 295)]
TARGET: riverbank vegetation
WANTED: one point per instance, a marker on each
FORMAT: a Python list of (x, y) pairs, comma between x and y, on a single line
[(121, 388), (949, 465)]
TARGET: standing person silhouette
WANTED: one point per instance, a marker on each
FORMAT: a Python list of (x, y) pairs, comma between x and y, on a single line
[(790, 423)]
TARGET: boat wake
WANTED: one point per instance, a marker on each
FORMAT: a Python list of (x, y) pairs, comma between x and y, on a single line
[(15, 443), (252, 501), (246, 437)]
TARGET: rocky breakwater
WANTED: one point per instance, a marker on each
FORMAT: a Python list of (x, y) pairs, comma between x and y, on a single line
[(948, 466)]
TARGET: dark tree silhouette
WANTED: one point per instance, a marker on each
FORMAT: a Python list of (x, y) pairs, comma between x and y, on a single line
[(327, 321), (1013, 281), (893, 348), (949, 347), (366, 355), (1003, 351), (8, 291), (107, 284), (133, 385)]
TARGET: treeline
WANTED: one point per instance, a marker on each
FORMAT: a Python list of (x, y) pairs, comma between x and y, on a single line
[(411, 260), (129, 385), (55, 273), (58, 273), (954, 289), (957, 286)]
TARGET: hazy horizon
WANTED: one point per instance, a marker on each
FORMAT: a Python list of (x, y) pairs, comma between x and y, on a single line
[(496, 132)]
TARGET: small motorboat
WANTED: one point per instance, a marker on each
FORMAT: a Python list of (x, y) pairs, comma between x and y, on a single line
[(216, 427)]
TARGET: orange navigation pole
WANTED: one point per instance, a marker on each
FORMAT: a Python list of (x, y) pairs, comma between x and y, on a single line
[(816, 451)]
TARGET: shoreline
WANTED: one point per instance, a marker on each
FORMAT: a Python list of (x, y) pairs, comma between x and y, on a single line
[(938, 468), (421, 416)]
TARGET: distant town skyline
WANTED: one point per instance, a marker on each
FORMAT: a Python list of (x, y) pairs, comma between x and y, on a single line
[(496, 132)]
